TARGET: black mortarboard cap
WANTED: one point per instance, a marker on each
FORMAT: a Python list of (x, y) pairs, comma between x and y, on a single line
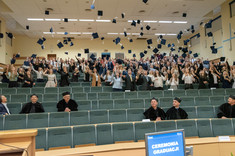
[(102, 38), (192, 27), (122, 47), (159, 46), (172, 49), (195, 55), (10, 35), (148, 27), (42, 46), (1, 35), (13, 61), (164, 54), (125, 34), (190, 52), (192, 30), (65, 42), (44, 39), (133, 23), (27, 27), (169, 45), (209, 24), (95, 35), (222, 59), (177, 99), (142, 55), (141, 34), (123, 15), (79, 54), (71, 44), (86, 51), (184, 55), (69, 39), (184, 14), (145, 1), (92, 56), (47, 12), (214, 51), (172, 45), (17, 55), (198, 35), (114, 21), (66, 53), (51, 30), (214, 43), (149, 41), (138, 21), (100, 13), (65, 93), (40, 41), (160, 36), (163, 42), (212, 47), (179, 36), (210, 34), (66, 19), (131, 40), (60, 45), (180, 48), (149, 47), (142, 28), (155, 50), (185, 50), (129, 51), (117, 40), (145, 52), (185, 42), (134, 55), (34, 55)]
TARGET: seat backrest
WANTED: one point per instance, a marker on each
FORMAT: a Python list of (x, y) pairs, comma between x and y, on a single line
[(141, 128), (106, 104), (204, 128), (222, 127), (104, 134), (84, 135), (123, 132), (165, 125), (117, 115), (40, 141), (135, 114), (37, 120), (15, 121), (79, 117), (98, 116), (58, 119), (189, 127)]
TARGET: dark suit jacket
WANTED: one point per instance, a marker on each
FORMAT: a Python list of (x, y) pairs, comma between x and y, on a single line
[(130, 85), (145, 83), (3, 110)]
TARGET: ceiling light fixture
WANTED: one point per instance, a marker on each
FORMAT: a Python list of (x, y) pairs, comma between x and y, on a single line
[(171, 34), (165, 21), (160, 34), (75, 33), (112, 33), (180, 22), (73, 20), (35, 19), (52, 19), (48, 32), (86, 20), (150, 21), (87, 33)]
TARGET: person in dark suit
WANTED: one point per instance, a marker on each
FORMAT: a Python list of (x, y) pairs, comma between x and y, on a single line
[(64, 80), (3, 106), (130, 81), (32, 107), (110, 65), (227, 110), (67, 104), (155, 113), (146, 81), (176, 112)]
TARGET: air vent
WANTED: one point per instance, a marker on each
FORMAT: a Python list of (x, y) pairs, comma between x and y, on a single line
[(89, 28), (128, 29), (68, 37), (154, 29), (49, 9), (88, 10), (142, 11), (62, 28), (175, 12)]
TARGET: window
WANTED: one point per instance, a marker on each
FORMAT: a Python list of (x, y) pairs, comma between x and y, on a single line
[(119, 55), (232, 8), (216, 25)]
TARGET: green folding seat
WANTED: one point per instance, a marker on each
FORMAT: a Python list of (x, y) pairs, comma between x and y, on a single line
[(79, 118), (204, 128), (222, 127), (37, 120), (40, 84), (14, 108), (3, 85), (135, 114), (230, 91), (77, 89), (147, 103), (1, 122), (84, 135), (205, 112), (121, 104), (92, 96), (104, 134), (39, 97), (166, 102), (84, 105), (9, 91), (23, 90), (107, 89), (168, 93), (117, 95), (141, 128), (156, 93), (205, 92), (87, 89), (37, 90), (59, 137), (40, 139), (50, 106), (51, 90), (165, 125), (191, 111), (137, 103), (117, 115), (98, 116), (196, 85), (104, 96), (178, 93), (123, 132), (106, 104), (219, 92), (187, 101), (79, 96), (19, 98), (144, 94), (94, 104), (233, 120), (202, 101), (181, 86), (16, 121), (75, 84), (189, 127), (192, 92), (57, 119), (50, 97), (64, 89), (130, 95), (96, 89), (217, 100), (85, 84)]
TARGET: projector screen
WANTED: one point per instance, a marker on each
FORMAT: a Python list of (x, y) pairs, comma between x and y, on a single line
[(168, 143)]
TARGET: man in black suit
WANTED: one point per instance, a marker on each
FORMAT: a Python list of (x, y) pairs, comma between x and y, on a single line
[(130, 81), (32, 107), (146, 81)]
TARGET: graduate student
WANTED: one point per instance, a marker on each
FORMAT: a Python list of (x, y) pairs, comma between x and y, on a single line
[(32, 107), (176, 112), (67, 104), (227, 110), (3, 106), (155, 113)]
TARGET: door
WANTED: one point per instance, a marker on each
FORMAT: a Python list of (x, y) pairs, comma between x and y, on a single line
[(107, 55), (51, 56)]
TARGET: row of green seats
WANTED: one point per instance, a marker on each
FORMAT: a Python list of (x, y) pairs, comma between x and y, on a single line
[(55, 119), (102, 134)]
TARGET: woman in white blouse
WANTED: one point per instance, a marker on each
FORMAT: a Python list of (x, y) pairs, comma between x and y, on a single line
[(117, 82), (173, 82), (188, 79), (107, 78), (52, 81), (158, 81)]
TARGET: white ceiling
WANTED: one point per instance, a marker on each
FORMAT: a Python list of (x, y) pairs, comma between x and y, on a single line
[(16, 13)]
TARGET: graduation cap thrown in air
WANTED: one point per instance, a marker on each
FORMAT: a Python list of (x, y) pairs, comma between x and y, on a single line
[(60, 45), (65, 42), (145, 52), (163, 42), (17, 55), (183, 55), (27, 27), (13, 61), (79, 54), (145, 1), (86, 51), (133, 23), (149, 41), (159, 46), (95, 35), (141, 34), (222, 59), (142, 28), (142, 55), (71, 44), (34, 55), (1, 35), (42, 46), (149, 47), (131, 40), (169, 45), (148, 27), (66, 53), (51, 30), (40, 41), (190, 52), (155, 50), (184, 15), (195, 55), (185, 50), (129, 51), (114, 21), (100, 13), (66, 20), (210, 34), (117, 40), (172, 49), (138, 21), (123, 15), (69, 39), (122, 47), (214, 51), (134, 55), (47, 12), (92, 57)]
